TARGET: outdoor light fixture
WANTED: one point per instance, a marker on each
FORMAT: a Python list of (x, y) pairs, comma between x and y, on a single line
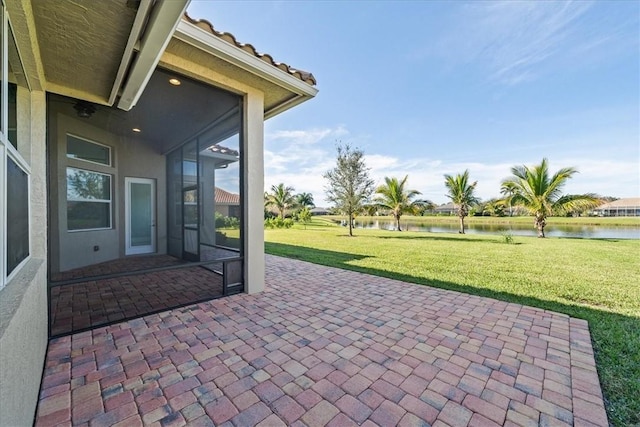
[(175, 81), (84, 109), (137, 130)]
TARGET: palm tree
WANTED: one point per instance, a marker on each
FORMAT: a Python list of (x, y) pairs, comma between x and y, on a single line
[(425, 206), (461, 194), (305, 200), (508, 189), (281, 198), (541, 195), (370, 209), (396, 199)]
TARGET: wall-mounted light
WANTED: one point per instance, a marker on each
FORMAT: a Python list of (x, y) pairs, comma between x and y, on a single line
[(84, 109), (136, 130), (175, 81)]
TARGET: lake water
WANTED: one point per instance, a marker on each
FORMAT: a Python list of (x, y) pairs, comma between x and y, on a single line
[(574, 231)]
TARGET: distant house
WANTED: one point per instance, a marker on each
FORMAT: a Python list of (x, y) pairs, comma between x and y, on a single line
[(227, 204), (620, 207), (446, 209), (319, 211)]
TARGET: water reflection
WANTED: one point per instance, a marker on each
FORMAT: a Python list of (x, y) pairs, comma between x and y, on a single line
[(574, 231)]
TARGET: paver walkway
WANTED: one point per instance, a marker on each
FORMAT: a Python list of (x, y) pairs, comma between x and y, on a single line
[(323, 346)]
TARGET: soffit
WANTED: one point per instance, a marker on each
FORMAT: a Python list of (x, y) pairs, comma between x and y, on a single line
[(81, 44), (273, 94)]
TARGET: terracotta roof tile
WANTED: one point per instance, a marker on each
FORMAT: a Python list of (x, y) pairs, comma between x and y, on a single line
[(223, 197), (230, 38)]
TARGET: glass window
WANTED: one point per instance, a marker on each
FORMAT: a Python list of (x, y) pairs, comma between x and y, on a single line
[(17, 215), (12, 128), (88, 200), (78, 148)]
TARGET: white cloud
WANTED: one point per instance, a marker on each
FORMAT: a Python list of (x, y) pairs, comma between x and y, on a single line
[(603, 177), (300, 158), (517, 41)]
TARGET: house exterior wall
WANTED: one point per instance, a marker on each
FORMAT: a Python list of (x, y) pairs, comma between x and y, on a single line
[(131, 157), (23, 302), (222, 209)]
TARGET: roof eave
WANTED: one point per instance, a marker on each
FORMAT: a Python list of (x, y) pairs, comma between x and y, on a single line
[(162, 23), (203, 40)]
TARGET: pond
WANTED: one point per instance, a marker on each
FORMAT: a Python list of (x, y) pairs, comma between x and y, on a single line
[(518, 229)]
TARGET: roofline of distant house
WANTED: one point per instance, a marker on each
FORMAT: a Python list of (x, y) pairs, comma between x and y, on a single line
[(206, 41)]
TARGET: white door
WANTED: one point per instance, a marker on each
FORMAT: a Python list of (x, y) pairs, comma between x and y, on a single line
[(140, 207)]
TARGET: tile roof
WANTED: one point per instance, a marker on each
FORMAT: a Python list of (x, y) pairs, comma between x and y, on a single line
[(632, 202), (230, 38), (225, 198)]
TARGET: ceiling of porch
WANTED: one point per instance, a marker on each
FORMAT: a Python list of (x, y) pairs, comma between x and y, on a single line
[(166, 115)]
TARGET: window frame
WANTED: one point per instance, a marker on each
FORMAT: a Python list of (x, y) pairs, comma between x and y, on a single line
[(8, 151), (110, 201), (27, 172), (110, 164)]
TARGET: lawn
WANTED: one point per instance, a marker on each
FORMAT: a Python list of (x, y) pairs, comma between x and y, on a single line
[(596, 280)]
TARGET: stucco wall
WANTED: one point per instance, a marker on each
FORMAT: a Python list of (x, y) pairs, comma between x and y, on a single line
[(23, 302), (131, 157)]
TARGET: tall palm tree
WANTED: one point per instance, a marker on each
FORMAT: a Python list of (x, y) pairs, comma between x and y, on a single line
[(540, 193), (305, 200), (461, 194), (395, 198), (281, 198), (508, 189)]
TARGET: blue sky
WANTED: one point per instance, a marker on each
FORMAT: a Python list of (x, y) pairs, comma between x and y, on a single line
[(428, 88)]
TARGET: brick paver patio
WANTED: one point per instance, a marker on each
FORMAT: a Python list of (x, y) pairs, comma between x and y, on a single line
[(323, 346), (94, 303)]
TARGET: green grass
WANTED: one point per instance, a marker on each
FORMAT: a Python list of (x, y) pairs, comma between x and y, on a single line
[(596, 280), (451, 219)]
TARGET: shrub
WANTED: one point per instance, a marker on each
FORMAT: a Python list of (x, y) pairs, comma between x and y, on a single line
[(226, 221), (507, 237), (278, 223)]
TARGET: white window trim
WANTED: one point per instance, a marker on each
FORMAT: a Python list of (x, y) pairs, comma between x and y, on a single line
[(109, 201), (8, 151), (90, 142)]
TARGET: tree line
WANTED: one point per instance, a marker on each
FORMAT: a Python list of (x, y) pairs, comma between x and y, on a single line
[(533, 189)]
